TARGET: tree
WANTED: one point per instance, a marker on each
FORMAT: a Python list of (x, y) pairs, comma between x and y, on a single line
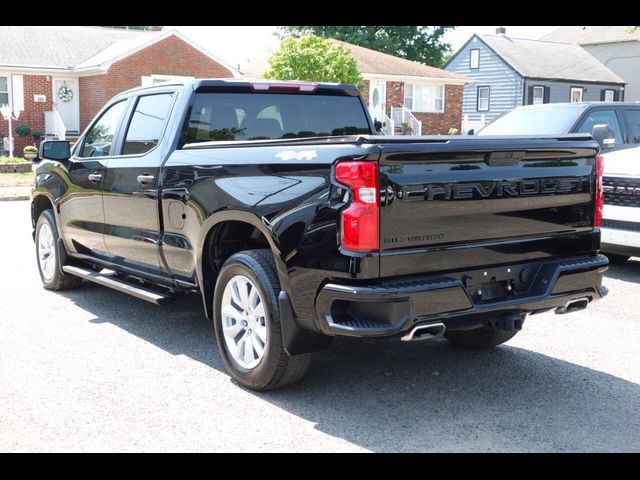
[(422, 44), (314, 59)]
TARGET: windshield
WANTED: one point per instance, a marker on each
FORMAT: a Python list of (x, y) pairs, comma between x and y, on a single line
[(265, 116), (538, 120)]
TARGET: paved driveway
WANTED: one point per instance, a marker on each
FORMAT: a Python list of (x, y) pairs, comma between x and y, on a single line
[(93, 369)]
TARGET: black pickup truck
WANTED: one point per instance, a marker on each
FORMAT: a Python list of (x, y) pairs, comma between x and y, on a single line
[(295, 222)]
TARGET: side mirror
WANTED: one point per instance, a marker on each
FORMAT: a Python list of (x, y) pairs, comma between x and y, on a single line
[(603, 134), (378, 125), (471, 131), (55, 150)]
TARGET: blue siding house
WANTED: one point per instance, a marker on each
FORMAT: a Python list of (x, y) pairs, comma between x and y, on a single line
[(509, 72)]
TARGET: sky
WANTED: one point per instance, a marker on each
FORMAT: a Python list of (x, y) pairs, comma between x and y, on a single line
[(237, 44)]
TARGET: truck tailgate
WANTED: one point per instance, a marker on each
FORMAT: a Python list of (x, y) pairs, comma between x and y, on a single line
[(457, 202)]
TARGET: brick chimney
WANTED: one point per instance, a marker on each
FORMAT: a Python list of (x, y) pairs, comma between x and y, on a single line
[(501, 31)]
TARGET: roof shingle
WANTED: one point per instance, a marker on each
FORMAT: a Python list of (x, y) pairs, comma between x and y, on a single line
[(372, 61), (550, 60), (62, 47)]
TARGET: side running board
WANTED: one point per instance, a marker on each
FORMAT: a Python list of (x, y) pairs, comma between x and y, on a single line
[(118, 284)]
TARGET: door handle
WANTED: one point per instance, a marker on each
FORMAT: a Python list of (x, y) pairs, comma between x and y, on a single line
[(145, 179), (94, 177)]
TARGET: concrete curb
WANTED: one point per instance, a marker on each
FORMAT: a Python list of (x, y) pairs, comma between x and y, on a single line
[(15, 193), (16, 197)]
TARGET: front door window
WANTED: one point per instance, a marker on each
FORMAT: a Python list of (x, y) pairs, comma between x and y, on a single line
[(99, 140)]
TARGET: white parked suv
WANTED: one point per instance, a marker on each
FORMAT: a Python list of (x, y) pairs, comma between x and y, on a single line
[(616, 127), (621, 216)]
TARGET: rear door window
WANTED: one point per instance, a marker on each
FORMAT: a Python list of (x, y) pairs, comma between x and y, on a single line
[(147, 123), (600, 117), (632, 117)]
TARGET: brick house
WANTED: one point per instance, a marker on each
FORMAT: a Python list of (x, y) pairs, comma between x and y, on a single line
[(430, 95), (397, 91), (59, 77)]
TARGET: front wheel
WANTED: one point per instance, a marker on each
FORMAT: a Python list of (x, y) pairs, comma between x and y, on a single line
[(247, 323), (48, 255), (483, 337)]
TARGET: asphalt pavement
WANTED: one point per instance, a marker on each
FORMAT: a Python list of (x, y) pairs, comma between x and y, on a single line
[(95, 370)]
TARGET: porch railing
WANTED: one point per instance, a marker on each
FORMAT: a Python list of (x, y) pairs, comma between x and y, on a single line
[(472, 124), (53, 125), (388, 125), (402, 115)]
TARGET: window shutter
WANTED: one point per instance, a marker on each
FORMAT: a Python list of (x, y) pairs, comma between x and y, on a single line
[(616, 95), (17, 92), (602, 94), (546, 95), (530, 95)]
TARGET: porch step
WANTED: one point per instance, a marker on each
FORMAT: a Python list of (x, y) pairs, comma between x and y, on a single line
[(111, 281)]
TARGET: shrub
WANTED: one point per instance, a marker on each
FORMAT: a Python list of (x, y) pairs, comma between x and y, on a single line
[(23, 130), (37, 134)]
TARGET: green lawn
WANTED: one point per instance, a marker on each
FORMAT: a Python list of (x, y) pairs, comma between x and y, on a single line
[(24, 179), (13, 160)]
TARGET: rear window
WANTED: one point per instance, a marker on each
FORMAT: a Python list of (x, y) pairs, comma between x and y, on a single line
[(262, 116), (539, 120)]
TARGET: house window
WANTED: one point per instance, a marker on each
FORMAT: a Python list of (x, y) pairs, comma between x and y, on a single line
[(474, 58), (483, 99), (538, 95), (609, 95), (4, 90), (408, 96), (148, 80), (424, 98), (576, 94)]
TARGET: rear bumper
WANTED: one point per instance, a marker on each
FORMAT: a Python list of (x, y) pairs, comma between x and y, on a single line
[(461, 300)]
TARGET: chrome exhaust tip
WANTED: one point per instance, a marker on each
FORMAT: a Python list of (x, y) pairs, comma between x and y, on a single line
[(424, 331), (573, 306)]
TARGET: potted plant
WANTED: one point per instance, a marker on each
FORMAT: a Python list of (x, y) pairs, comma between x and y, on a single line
[(23, 130), (37, 135), (30, 152), (406, 129)]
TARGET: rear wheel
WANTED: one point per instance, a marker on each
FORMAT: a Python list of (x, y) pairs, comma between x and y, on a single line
[(247, 323), (48, 255), (483, 337), (617, 259)]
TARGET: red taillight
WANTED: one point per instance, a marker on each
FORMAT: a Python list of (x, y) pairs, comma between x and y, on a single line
[(597, 214), (359, 225)]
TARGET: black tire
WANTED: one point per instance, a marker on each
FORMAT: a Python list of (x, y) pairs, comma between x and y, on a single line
[(277, 369), (615, 259), (58, 280), (478, 338)]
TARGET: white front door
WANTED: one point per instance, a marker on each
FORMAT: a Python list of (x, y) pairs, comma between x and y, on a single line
[(66, 101), (377, 99)]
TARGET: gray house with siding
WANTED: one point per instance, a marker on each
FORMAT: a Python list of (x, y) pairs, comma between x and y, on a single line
[(509, 72)]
